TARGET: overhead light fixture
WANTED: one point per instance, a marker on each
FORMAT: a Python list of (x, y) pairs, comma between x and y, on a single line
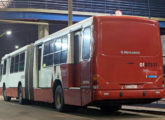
[(9, 32), (16, 46)]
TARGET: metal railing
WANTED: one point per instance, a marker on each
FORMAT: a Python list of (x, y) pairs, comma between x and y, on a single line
[(150, 8)]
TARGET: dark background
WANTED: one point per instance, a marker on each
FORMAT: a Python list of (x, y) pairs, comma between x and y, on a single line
[(22, 34)]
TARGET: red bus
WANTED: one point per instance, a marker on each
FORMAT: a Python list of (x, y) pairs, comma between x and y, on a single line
[(104, 61)]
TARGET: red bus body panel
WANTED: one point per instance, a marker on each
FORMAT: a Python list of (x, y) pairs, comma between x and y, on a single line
[(127, 51)]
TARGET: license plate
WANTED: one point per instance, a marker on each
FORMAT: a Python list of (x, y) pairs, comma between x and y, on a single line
[(131, 86)]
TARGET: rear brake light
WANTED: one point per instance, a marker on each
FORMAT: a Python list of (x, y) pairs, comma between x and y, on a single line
[(163, 82), (95, 82)]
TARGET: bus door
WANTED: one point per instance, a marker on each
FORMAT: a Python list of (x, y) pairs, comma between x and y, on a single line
[(86, 89), (39, 52), (76, 70), (5, 72)]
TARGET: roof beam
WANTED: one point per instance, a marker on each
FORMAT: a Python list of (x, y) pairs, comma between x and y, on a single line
[(23, 22)]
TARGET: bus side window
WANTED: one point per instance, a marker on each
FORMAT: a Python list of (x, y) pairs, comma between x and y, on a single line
[(21, 62), (12, 65), (1, 66), (64, 52), (58, 48), (4, 67), (16, 61), (86, 43), (48, 53), (61, 50), (39, 56), (77, 43)]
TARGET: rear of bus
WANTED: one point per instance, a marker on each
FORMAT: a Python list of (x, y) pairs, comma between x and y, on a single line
[(128, 65)]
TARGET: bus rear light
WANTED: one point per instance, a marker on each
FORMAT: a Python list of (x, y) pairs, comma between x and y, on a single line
[(163, 83), (163, 86), (95, 80)]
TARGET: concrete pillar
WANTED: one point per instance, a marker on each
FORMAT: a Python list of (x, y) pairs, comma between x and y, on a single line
[(69, 12), (43, 30)]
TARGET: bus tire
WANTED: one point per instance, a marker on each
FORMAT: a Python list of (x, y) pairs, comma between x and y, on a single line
[(20, 95), (59, 99), (110, 109), (6, 98)]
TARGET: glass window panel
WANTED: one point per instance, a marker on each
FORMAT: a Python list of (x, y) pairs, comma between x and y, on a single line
[(48, 60), (58, 45), (12, 60), (57, 58), (86, 43), (21, 66), (16, 67), (12, 65), (64, 56), (22, 57), (52, 47), (64, 43), (12, 68), (46, 48), (16, 59), (4, 67), (21, 62)]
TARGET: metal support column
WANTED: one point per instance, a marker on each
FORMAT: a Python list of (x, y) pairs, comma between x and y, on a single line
[(69, 12), (43, 30)]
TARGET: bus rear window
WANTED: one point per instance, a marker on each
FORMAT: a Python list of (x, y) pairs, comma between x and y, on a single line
[(130, 36)]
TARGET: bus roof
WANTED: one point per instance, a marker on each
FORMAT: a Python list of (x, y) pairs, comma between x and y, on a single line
[(66, 30), (74, 27), (86, 23), (15, 52)]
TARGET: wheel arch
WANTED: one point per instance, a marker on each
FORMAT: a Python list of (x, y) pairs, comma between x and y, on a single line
[(4, 84), (19, 84), (56, 83)]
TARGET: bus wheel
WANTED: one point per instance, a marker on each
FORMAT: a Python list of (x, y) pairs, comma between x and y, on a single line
[(59, 99), (20, 95), (6, 98), (109, 109)]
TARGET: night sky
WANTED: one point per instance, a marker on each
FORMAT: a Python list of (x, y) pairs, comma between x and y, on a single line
[(22, 34)]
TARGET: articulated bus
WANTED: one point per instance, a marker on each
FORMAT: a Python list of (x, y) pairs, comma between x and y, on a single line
[(103, 61)]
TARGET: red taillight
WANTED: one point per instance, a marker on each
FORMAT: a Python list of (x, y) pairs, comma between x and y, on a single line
[(95, 82), (163, 82)]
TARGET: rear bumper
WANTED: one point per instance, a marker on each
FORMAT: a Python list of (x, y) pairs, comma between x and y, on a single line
[(128, 94)]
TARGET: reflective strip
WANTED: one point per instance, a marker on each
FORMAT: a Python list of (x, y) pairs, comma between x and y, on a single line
[(151, 76)]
